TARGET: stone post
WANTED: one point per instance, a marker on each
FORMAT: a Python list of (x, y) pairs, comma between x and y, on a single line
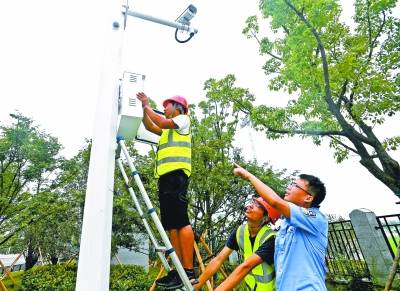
[(372, 243)]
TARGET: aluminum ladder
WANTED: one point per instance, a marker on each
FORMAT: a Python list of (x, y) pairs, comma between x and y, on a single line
[(162, 251)]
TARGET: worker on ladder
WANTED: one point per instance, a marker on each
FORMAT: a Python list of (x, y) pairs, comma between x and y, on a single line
[(173, 168), (255, 241)]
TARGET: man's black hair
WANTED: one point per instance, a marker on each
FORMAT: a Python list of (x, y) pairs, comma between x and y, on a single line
[(315, 187), (179, 107)]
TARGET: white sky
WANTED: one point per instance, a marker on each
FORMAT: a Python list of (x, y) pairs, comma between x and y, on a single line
[(50, 61)]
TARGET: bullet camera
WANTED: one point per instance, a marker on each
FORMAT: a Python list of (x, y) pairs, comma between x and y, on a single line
[(187, 15)]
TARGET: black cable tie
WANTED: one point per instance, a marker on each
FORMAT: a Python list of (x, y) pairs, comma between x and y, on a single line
[(170, 251)]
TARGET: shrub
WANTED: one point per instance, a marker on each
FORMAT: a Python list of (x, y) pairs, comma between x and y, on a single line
[(63, 277), (124, 278), (10, 284), (49, 278), (358, 284)]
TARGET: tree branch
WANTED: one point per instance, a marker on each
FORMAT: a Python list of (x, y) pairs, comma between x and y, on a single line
[(285, 29), (342, 94), (344, 145), (307, 132), (269, 53), (369, 30), (328, 94), (372, 42), (10, 235)]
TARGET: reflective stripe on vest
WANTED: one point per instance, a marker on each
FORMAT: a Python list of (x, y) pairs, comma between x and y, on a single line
[(261, 277), (174, 153)]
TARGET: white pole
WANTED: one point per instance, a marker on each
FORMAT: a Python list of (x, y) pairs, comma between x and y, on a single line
[(95, 245), (174, 24)]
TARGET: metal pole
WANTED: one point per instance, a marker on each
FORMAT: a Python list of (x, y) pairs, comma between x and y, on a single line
[(95, 244), (161, 21)]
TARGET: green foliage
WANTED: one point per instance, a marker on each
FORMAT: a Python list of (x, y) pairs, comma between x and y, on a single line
[(354, 285), (63, 277), (342, 82), (126, 278), (42, 195), (49, 277), (29, 159), (10, 284), (56, 234), (347, 269), (217, 197)]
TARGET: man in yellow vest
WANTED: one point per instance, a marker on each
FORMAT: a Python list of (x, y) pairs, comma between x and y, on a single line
[(255, 241), (173, 169)]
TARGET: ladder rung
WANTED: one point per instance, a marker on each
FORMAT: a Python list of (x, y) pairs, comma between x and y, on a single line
[(161, 249)]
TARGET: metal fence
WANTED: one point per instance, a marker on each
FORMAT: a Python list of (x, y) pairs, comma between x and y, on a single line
[(389, 225), (344, 257)]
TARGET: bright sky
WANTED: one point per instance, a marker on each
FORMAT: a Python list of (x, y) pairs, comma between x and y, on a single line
[(50, 61)]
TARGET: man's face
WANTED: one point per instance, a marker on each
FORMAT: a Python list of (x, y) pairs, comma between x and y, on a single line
[(254, 211), (297, 193), (169, 110)]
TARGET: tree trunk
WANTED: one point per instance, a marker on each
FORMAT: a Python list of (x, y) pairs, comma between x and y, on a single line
[(31, 258), (392, 273), (54, 260)]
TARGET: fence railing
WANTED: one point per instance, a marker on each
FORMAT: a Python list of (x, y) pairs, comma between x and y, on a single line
[(344, 256), (390, 228)]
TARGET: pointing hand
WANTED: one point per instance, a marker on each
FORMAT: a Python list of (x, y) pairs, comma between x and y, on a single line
[(240, 172)]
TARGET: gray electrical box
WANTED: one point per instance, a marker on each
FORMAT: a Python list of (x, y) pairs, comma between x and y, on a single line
[(130, 112)]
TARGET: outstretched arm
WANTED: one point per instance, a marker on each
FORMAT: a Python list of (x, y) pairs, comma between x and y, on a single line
[(213, 267), (264, 191), (239, 273)]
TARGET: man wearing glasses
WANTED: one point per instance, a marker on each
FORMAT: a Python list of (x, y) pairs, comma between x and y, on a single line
[(301, 242), (255, 241)]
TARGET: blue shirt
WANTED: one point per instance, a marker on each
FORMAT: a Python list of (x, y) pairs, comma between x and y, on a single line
[(300, 249)]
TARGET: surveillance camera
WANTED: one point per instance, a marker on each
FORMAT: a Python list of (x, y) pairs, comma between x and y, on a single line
[(187, 15)]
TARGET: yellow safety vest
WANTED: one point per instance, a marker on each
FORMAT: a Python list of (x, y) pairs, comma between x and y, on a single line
[(174, 152), (262, 276)]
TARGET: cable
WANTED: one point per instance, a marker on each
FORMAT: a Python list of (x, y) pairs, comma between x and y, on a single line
[(183, 41)]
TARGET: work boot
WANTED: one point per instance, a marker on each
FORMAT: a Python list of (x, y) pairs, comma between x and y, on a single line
[(174, 282), (192, 276), (164, 281)]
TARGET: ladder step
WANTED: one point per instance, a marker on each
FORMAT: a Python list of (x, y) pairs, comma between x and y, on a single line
[(161, 249)]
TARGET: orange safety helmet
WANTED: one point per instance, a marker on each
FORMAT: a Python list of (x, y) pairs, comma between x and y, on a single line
[(272, 213), (178, 99)]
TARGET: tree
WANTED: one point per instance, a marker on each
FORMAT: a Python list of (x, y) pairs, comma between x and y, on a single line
[(343, 82), (55, 235), (125, 222), (216, 196), (29, 159)]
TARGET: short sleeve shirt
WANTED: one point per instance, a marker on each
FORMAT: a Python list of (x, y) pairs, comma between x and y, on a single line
[(300, 249), (183, 123), (265, 251)]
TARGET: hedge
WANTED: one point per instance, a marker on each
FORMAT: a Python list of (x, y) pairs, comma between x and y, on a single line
[(63, 277)]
